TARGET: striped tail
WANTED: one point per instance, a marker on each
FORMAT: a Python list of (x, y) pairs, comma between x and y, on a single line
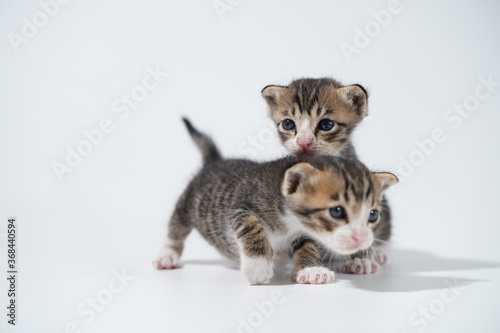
[(205, 144)]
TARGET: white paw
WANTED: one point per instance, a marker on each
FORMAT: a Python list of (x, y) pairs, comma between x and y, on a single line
[(315, 275), (168, 259), (360, 266), (256, 270)]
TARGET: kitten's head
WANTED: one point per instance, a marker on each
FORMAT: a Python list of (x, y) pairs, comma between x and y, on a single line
[(316, 116), (338, 200)]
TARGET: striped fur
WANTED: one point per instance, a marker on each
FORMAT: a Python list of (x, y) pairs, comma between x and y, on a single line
[(250, 211), (309, 101)]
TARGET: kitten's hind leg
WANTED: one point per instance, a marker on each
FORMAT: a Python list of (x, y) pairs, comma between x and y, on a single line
[(256, 253), (308, 264), (170, 253)]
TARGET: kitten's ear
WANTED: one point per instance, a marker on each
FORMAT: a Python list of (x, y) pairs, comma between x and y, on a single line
[(357, 97), (272, 94), (385, 180), (297, 176)]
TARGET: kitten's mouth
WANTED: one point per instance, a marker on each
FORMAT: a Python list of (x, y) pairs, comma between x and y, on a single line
[(354, 247), (358, 246), (351, 249), (305, 152)]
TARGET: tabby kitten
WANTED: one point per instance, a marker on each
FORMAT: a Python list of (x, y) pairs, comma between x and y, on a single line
[(307, 206), (317, 117)]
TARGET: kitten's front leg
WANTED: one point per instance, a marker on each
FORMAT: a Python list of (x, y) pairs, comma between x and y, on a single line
[(366, 262), (308, 264), (360, 266), (256, 253)]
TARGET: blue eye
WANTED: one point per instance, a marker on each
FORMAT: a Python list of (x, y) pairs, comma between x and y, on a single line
[(373, 216), (326, 125), (288, 124), (337, 212)]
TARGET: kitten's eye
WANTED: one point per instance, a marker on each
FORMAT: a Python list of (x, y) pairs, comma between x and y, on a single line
[(337, 212), (373, 216), (326, 125), (288, 124)]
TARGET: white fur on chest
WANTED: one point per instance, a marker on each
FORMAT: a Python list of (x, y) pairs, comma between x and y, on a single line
[(281, 240)]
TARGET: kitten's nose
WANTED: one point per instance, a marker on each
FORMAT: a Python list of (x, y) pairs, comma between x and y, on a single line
[(359, 237), (304, 143)]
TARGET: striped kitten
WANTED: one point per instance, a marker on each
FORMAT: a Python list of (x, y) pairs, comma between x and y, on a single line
[(307, 206), (317, 117)]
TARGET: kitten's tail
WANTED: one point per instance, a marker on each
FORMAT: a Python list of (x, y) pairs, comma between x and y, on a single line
[(205, 144)]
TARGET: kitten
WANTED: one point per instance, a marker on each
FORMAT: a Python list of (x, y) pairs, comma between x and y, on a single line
[(249, 211), (317, 117)]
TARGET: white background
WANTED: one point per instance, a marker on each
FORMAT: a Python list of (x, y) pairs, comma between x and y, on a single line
[(110, 213)]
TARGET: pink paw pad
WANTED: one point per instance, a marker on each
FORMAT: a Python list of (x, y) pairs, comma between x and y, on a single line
[(315, 275)]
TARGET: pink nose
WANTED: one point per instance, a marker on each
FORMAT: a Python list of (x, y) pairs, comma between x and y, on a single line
[(304, 143), (359, 237)]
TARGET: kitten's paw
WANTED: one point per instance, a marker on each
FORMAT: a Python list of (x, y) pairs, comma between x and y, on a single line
[(360, 266), (315, 275), (256, 270), (380, 258), (168, 259)]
